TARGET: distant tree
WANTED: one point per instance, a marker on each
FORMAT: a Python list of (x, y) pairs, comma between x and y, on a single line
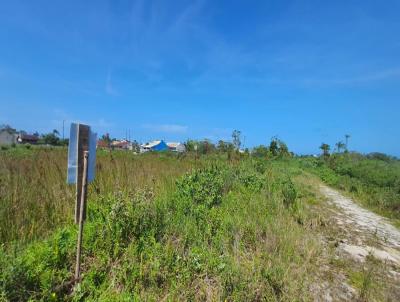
[(260, 151), (340, 146), (56, 133), (347, 136), (273, 146), (283, 149), (50, 139), (106, 138), (236, 140), (230, 147), (380, 156), (190, 145), (221, 146), (206, 147), (224, 147), (325, 149)]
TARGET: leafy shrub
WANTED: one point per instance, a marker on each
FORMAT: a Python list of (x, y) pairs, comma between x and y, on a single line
[(260, 166), (289, 192), (119, 219), (202, 187), (251, 180), (39, 269)]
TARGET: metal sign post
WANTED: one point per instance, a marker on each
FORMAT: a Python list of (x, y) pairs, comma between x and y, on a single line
[(81, 170)]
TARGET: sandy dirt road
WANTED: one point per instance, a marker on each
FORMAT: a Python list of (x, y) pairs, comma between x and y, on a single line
[(356, 235), (365, 225)]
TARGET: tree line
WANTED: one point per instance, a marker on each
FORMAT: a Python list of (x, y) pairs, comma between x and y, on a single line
[(52, 138), (340, 146), (276, 147)]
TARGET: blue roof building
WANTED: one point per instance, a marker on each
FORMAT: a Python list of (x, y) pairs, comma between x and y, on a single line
[(154, 146)]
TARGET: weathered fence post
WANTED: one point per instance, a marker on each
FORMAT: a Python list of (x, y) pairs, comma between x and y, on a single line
[(81, 215), (81, 171)]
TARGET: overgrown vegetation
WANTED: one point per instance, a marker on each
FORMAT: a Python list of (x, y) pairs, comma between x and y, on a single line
[(162, 226), (373, 179), (159, 227)]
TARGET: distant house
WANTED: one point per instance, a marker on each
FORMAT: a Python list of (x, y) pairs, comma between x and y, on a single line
[(23, 138), (154, 146), (103, 144), (176, 147), (7, 137), (121, 144)]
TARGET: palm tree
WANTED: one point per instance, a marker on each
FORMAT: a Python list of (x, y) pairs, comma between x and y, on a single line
[(347, 136), (325, 149), (340, 145), (236, 139)]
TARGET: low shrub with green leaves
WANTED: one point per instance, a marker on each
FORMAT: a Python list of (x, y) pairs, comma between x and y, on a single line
[(202, 186), (251, 180)]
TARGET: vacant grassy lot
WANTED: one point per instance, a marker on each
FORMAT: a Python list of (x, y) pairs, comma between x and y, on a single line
[(159, 227), (166, 227), (35, 198)]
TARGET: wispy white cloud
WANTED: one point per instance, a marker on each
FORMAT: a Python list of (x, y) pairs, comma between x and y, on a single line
[(166, 128)]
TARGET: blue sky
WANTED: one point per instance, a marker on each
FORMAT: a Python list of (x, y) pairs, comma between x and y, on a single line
[(306, 71)]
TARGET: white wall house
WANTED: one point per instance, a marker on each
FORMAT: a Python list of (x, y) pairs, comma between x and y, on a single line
[(176, 147), (7, 137)]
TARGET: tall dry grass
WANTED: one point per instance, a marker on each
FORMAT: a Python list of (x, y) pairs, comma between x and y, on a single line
[(35, 198)]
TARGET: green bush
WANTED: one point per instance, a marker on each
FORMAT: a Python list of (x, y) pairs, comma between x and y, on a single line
[(202, 187), (251, 180), (39, 270), (289, 192)]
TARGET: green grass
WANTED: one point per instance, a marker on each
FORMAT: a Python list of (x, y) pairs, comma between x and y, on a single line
[(170, 227), (159, 227), (35, 198), (373, 182)]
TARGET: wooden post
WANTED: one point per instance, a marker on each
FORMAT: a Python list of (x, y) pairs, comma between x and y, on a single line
[(81, 216)]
